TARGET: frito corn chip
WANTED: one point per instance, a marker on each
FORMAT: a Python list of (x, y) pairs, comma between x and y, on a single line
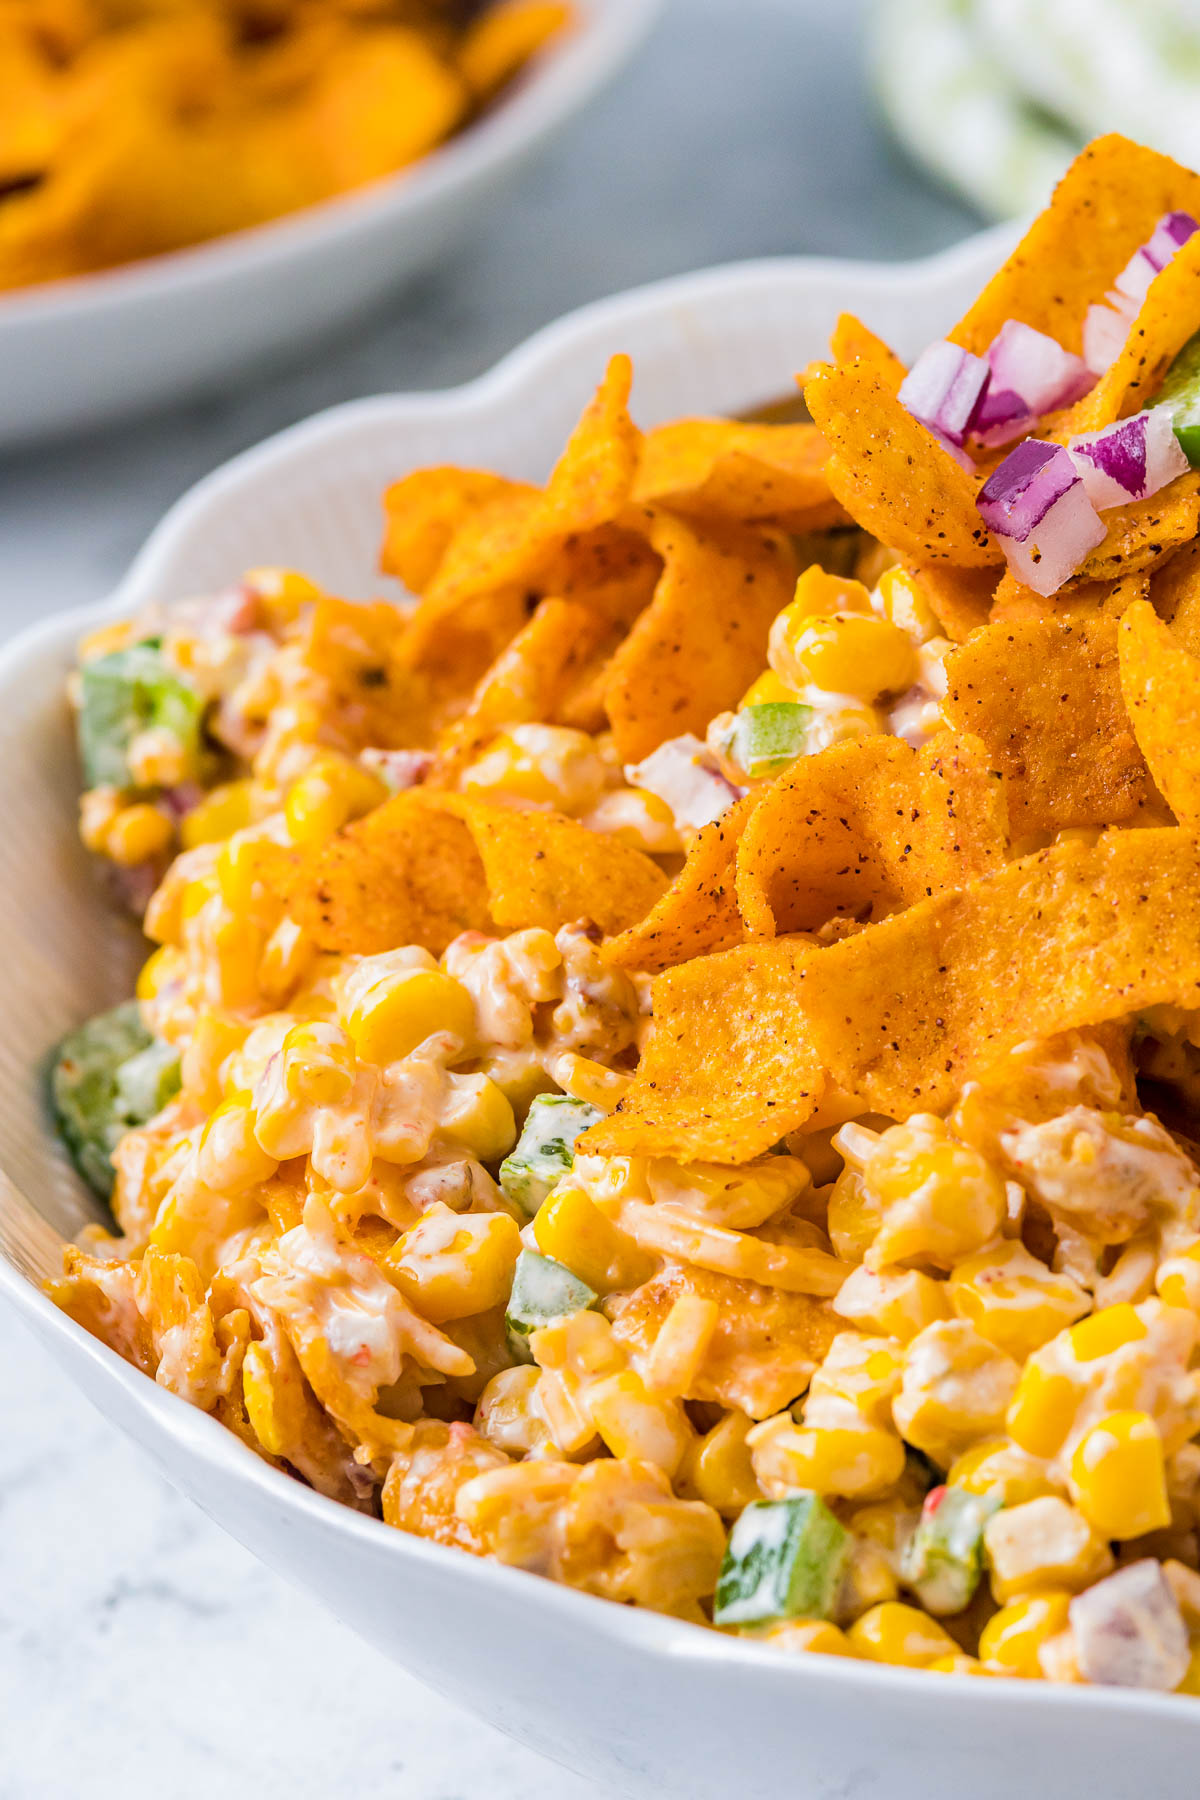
[(961, 598), (542, 869), (703, 638), (1014, 603), (891, 474), (1069, 937), (504, 38), (355, 651), (1146, 532), (853, 342), (424, 512), (742, 474), (1167, 318), (865, 828), (1046, 701), (526, 684), (728, 1070), (1174, 593), (1161, 684), (505, 548), (699, 911), (1105, 206), (425, 866)]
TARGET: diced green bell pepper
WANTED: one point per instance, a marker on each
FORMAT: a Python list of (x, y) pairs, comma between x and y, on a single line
[(1180, 392), (106, 1076), (543, 1293), (124, 693), (785, 1560), (764, 740), (944, 1559), (544, 1152)]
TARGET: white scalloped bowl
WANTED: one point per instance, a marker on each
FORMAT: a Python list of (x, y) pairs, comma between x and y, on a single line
[(657, 1708), (81, 352)]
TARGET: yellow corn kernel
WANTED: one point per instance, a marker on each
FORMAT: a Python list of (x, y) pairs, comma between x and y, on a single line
[(1105, 1332), (637, 1424), (1178, 1280), (846, 653), (720, 1469), (905, 605), (283, 592), (896, 1303), (453, 1265), (855, 1462), (1012, 1638), (238, 868), (229, 1156), (677, 1355), (137, 834), (1118, 1476), (959, 1664), (1043, 1544), (327, 796), (954, 1392), (258, 1391), (941, 1200), (1014, 1300), (214, 1038), (105, 639), (548, 764), (998, 1466), (285, 957), (318, 1064), (1191, 1681), (854, 1216), (161, 968), (1042, 1409), (480, 1115), (405, 1007), (816, 1637), (817, 591), (222, 812), (571, 1228), (899, 1634), (861, 1372), (766, 691)]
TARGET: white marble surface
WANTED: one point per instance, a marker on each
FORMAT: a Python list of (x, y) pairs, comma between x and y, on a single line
[(140, 1650)]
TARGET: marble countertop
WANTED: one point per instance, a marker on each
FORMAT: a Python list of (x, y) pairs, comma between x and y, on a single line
[(142, 1651)]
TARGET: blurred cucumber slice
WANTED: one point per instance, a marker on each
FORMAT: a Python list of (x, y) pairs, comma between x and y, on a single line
[(127, 692), (107, 1076)]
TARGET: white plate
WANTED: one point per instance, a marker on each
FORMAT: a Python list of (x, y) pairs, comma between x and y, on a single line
[(655, 1707), (81, 352)]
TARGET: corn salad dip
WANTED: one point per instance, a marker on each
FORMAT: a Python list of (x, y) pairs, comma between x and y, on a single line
[(670, 1061)]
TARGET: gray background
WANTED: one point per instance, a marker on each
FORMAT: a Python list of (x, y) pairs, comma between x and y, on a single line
[(141, 1651)]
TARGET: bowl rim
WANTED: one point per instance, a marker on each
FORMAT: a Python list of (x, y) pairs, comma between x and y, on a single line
[(558, 81), (196, 1434)]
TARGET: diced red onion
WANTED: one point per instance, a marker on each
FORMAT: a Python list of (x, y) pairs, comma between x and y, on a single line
[(1128, 460), (1037, 506), (1104, 333), (1129, 1631), (944, 388), (1037, 368), (1132, 285), (685, 774), (1002, 418)]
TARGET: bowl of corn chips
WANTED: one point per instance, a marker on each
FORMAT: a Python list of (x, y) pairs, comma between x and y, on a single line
[(650, 1060), (189, 189)]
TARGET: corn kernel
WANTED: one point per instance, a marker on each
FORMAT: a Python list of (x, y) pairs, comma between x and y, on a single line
[(258, 1392), (1042, 1410), (899, 1634), (817, 591), (327, 796), (229, 1155), (1118, 1476), (479, 1114), (905, 605), (845, 653), (284, 592), (678, 1352), (1191, 1681), (895, 1302), (816, 1637), (720, 1469), (570, 1228), (137, 834), (955, 1390), (1012, 1638), (636, 1424), (162, 967), (222, 812), (854, 1216), (766, 691), (1178, 1281), (1043, 1544), (855, 1462), (548, 764), (941, 1200), (1105, 1332), (405, 1007), (453, 1265), (1014, 1300), (998, 1466)]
